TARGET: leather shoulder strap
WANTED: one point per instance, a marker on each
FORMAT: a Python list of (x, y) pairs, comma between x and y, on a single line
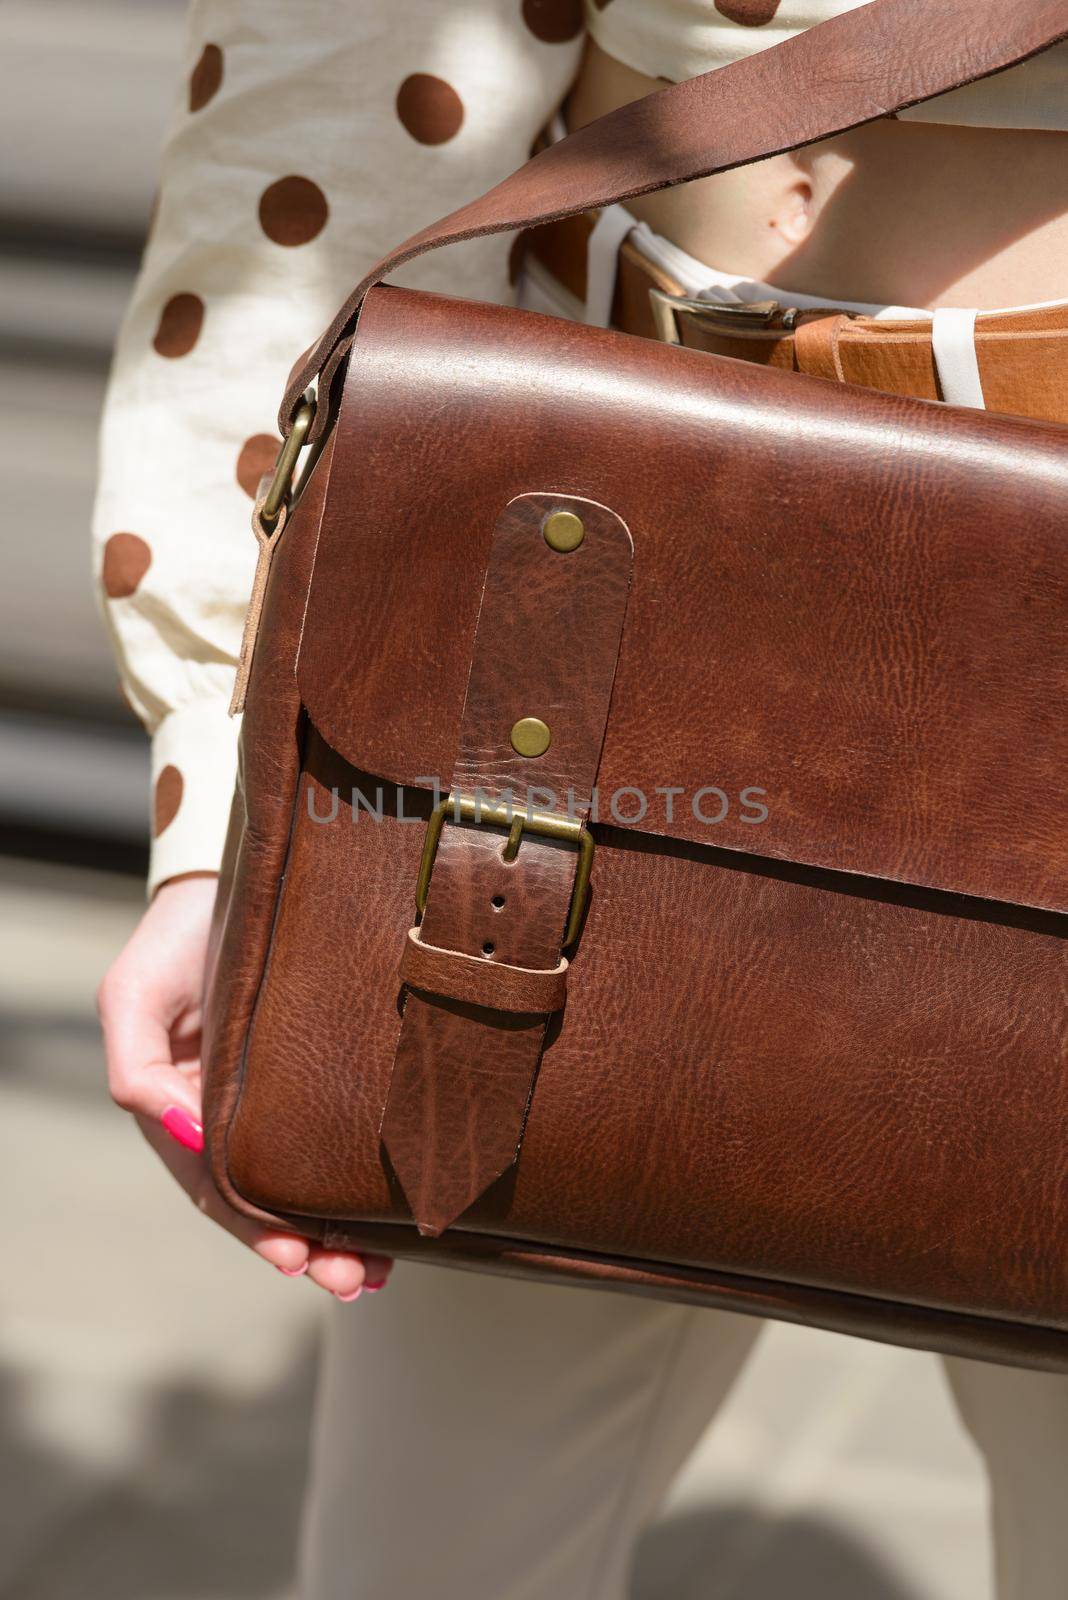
[(867, 63)]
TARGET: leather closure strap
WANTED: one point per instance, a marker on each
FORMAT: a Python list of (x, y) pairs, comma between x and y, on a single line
[(484, 970)]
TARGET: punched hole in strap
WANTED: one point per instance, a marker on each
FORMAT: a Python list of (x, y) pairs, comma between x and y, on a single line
[(474, 809)]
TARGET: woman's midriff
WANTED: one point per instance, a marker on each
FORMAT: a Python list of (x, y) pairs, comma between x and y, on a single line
[(897, 212)]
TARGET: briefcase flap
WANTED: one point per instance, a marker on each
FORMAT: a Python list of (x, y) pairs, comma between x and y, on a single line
[(846, 641)]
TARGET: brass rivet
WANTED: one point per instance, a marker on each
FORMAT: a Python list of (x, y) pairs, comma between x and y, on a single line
[(564, 531), (530, 737)]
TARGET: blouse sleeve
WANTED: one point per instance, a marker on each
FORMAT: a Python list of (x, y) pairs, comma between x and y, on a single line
[(309, 139)]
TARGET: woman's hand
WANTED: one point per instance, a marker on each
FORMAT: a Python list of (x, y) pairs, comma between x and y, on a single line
[(150, 1009)]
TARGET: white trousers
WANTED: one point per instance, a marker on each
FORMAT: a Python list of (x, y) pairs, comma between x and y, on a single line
[(478, 1438)]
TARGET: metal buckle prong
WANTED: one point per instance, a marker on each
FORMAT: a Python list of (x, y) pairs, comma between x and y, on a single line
[(495, 814)]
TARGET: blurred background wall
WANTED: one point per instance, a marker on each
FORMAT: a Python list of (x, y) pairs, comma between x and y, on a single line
[(154, 1385), (154, 1379), (88, 87)]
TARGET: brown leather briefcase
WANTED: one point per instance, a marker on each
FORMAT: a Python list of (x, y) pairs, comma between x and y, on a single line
[(713, 718)]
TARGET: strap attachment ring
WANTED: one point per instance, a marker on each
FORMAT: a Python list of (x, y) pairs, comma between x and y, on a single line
[(281, 483)]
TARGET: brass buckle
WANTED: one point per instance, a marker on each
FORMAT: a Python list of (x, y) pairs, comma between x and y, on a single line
[(494, 814), (743, 315), (293, 444)]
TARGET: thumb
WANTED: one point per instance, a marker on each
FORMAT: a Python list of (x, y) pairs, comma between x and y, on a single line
[(142, 1075)]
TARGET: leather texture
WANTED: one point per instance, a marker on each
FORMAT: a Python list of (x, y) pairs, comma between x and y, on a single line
[(812, 1058), (546, 642), (853, 604), (268, 772), (864, 64), (826, 1089)]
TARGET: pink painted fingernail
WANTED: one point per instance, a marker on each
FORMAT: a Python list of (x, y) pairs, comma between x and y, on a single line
[(346, 1299), (372, 1285), (181, 1126), (294, 1272)]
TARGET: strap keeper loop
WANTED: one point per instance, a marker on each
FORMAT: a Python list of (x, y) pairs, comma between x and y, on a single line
[(478, 981)]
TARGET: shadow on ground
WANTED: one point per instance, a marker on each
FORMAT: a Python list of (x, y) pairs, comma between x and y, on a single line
[(725, 1552), (209, 1510)]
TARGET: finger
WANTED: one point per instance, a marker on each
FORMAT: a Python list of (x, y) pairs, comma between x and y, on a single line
[(142, 1076), (339, 1272), (287, 1251), (347, 1274), (377, 1269)]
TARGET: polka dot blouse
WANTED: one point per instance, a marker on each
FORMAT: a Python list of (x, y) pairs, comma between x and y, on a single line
[(308, 140)]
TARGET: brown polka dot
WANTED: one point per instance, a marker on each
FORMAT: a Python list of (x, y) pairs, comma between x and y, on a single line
[(748, 13), (293, 210), (126, 560), (553, 21), (206, 77), (166, 798), (429, 108), (258, 455), (180, 322), (600, 4)]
